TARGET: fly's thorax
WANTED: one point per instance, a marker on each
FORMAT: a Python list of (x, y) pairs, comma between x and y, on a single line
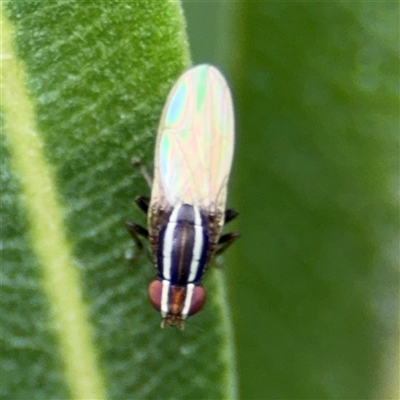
[(181, 255), (182, 246)]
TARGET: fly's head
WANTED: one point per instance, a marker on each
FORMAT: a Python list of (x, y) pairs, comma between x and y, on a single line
[(176, 303)]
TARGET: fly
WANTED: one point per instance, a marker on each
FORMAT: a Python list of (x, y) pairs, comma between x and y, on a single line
[(186, 210)]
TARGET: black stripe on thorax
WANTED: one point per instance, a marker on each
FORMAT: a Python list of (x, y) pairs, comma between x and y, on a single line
[(177, 247)]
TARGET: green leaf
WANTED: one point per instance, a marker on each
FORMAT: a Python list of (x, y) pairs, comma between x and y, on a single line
[(83, 87)]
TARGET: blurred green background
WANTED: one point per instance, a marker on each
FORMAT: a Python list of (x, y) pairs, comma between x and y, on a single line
[(314, 281)]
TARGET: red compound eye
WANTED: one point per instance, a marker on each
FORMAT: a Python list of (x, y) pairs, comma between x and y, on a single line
[(155, 291), (196, 304), (198, 300)]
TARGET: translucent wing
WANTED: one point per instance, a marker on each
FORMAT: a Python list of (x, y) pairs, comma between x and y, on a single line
[(195, 142)]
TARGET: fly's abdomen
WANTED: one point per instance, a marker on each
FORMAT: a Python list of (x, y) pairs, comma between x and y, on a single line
[(183, 246)]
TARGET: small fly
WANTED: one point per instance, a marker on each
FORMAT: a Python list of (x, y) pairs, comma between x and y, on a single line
[(186, 211)]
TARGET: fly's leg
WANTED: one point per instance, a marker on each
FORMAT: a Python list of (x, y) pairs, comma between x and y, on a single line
[(135, 231), (230, 215), (225, 241), (143, 170), (143, 203), (228, 238)]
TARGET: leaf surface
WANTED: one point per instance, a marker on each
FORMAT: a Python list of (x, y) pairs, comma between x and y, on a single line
[(83, 87)]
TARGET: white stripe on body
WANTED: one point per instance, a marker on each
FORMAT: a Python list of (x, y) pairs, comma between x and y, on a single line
[(198, 245), (167, 257), (188, 300), (168, 243), (164, 298)]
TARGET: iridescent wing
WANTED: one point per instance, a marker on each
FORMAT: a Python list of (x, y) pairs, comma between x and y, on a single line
[(195, 142)]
